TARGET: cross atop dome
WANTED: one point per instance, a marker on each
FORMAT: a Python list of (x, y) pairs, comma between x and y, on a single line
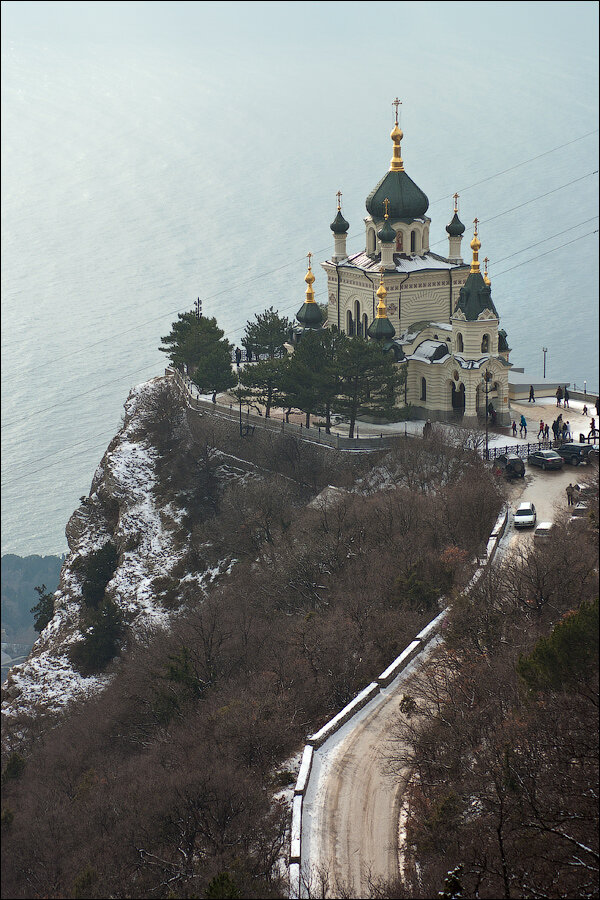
[(396, 103)]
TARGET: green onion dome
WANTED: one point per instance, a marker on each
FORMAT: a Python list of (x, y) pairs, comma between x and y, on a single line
[(387, 234), (381, 329), (339, 224), (407, 201), (456, 227), (310, 316)]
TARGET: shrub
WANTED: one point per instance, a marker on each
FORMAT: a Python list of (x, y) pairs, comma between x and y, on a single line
[(43, 610), (97, 569), (101, 642), (14, 767)]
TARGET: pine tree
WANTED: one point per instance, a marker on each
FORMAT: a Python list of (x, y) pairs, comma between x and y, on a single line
[(268, 334), (213, 372), (369, 381), (191, 339), (263, 382), (311, 380), (43, 609)]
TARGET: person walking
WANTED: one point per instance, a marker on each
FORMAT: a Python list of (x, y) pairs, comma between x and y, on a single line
[(597, 405), (514, 429), (531, 394), (238, 356), (523, 427), (541, 429), (585, 409), (592, 431), (568, 434), (566, 396), (570, 491), (559, 395)]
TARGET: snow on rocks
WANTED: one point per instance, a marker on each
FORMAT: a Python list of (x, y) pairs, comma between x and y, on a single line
[(121, 508)]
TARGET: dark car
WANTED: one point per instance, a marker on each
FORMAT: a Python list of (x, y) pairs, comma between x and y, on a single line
[(546, 459), (575, 453), (513, 466)]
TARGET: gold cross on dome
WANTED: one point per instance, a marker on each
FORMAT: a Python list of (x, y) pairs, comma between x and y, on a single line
[(456, 203), (386, 203), (309, 255), (396, 103), (475, 223), (339, 199)]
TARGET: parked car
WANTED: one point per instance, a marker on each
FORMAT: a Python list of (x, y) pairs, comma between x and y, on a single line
[(546, 459), (525, 515), (575, 453), (543, 530), (513, 466)]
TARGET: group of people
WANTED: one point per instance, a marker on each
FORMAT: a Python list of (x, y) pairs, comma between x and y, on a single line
[(572, 494), (238, 355), (522, 427), (544, 431), (562, 396)]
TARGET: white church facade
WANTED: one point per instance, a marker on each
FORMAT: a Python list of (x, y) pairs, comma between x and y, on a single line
[(440, 320)]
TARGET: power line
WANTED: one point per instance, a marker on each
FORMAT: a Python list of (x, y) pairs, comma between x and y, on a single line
[(56, 462), (321, 250), (498, 274)]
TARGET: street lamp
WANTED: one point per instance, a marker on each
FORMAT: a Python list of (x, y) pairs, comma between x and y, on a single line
[(544, 351), (486, 379)]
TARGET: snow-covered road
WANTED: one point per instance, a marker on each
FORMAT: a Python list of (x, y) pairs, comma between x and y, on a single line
[(351, 809)]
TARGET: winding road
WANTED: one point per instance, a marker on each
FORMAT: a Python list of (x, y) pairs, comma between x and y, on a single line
[(351, 809)]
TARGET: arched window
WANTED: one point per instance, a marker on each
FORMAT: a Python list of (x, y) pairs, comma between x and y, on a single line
[(357, 318), (459, 343), (413, 241), (349, 324), (365, 324), (423, 389), (398, 241), (485, 343), (371, 240)]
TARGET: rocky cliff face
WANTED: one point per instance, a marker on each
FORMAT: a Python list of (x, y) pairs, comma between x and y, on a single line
[(121, 509)]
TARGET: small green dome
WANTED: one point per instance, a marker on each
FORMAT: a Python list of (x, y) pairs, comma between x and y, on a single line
[(456, 227), (381, 329), (386, 234), (339, 224), (475, 296), (407, 201), (310, 316)]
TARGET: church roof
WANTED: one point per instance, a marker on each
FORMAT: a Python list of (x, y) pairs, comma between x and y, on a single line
[(407, 201), (402, 262), (475, 296), (431, 351), (310, 316), (381, 329)]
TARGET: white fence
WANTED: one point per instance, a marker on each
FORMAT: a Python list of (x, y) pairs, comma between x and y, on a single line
[(317, 740)]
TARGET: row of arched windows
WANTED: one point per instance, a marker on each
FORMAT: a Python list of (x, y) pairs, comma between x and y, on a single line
[(416, 245), (356, 322), (460, 344)]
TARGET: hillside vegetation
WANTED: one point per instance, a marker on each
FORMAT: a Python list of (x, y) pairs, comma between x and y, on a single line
[(165, 783)]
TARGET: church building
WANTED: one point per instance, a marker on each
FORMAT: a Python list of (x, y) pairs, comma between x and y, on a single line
[(434, 313)]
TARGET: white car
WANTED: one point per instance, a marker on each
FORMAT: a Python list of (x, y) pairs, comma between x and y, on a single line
[(525, 516), (543, 530)]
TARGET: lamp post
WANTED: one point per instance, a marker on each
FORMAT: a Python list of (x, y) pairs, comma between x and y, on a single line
[(544, 351), (486, 378)]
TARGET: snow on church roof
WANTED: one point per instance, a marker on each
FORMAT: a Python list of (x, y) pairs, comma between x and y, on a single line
[(403, 263)]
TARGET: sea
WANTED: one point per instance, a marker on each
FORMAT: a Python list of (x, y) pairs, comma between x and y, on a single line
[(156, 153)]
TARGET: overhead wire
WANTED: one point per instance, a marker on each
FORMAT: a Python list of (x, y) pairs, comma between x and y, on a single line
[(93, 438), (322, 250)]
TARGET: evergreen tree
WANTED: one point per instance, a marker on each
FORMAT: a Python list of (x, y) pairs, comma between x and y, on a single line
[(262, 383), (312, 377), (43, 609), (213, 372), (191, 339), (369, 380), (267, 334)]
